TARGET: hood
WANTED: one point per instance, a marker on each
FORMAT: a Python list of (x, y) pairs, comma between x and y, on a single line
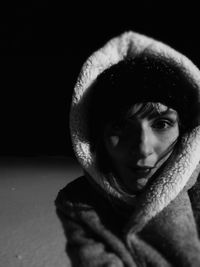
[(178, 171)]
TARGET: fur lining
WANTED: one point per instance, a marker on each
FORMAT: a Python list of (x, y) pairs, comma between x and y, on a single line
[(177, 173)]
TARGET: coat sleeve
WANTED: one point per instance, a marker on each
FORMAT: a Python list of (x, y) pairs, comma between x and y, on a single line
[(85, 250), (173, 232), (89, 244), (194, 194), (90, 241)]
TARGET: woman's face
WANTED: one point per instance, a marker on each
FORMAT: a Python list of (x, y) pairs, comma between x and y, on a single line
[(140, 146)]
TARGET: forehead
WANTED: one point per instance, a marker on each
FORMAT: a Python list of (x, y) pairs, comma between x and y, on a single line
[(150, 110)]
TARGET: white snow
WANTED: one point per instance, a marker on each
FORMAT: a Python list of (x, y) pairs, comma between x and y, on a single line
[(31, 235)]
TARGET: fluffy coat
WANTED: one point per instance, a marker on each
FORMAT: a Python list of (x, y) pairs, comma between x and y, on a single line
[(163, 228)]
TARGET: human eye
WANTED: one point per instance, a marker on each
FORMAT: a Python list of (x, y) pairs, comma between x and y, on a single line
[(116, 129), (121, 128), (118, 126), (163, 124)]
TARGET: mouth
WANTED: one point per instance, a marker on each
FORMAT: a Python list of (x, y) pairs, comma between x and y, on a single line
[(142, 170)]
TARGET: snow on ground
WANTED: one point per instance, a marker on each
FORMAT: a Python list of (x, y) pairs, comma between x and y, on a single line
[(31, 235)]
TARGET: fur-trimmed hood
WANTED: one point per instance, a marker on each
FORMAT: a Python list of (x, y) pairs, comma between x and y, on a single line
[(177, 173)]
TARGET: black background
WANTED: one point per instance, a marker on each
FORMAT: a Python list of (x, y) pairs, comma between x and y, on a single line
[(43, 45)]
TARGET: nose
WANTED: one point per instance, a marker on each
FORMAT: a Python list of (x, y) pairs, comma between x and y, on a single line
[(146, 143)]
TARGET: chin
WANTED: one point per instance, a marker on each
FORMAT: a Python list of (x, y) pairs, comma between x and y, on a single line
[(135, 182)]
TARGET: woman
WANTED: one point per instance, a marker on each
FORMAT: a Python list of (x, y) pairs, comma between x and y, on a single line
[(135, 131)]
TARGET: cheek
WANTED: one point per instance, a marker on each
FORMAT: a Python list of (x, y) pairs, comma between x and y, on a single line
[(114, 141), (167, 140), (114, 148), (173, 135)]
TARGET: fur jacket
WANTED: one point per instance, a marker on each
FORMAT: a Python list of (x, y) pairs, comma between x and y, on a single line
[(101, 226)]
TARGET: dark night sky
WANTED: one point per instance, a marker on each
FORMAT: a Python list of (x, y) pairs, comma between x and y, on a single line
[(43, 45)]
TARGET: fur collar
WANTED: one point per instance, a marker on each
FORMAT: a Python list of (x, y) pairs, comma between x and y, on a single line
[(177, 173)]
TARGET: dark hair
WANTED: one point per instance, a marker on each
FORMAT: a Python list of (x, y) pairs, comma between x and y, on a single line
[(144, 79), (140, 80)]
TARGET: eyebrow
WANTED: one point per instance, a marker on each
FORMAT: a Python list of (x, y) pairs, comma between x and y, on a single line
[(154, 114)]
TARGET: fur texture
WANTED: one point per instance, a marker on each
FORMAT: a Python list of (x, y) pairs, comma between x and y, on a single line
[(163, 228), (179, 171)]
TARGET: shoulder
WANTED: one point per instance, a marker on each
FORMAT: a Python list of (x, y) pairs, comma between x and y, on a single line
[(81, 201), (78, 192), (76, 188)]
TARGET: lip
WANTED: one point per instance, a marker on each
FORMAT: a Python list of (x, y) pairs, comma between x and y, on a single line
[(142, 169)]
